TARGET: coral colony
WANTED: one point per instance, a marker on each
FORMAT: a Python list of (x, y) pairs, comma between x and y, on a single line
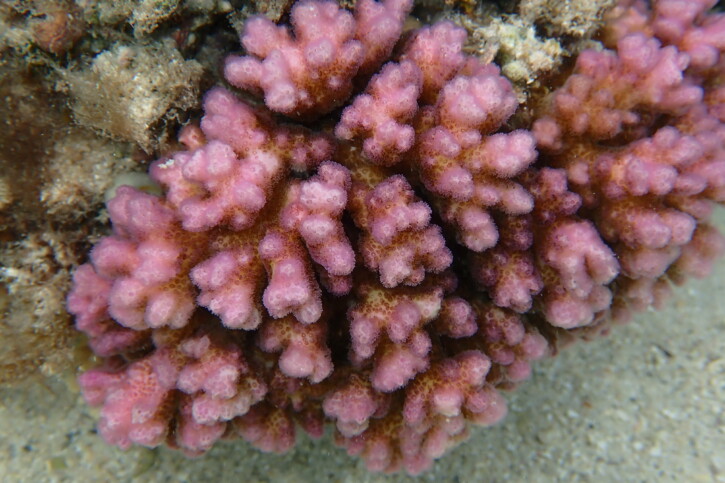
[(390, 272)]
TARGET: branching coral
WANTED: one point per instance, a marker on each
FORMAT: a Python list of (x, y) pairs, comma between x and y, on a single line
[(393, 273)]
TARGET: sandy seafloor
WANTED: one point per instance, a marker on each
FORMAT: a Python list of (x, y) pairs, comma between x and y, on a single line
[(643, 405)]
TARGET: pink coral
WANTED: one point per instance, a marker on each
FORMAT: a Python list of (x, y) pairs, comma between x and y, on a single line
[(312, 73), (686, 25), (466, 167), (647, 196), (395, 272), (398, 241), (382, 117), (314, 209), (387, 327), (149, 286), (195, 364)]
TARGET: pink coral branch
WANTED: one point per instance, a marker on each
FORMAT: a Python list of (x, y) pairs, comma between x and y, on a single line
[(291, 288)]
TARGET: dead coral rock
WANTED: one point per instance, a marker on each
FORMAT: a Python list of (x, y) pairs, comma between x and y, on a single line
[(512, 42), (33, 120), (52, 179), (80, 170), (534, 42), (36, 332), (6, 195), (272, 9), (148, 14), (132, 92), (522, 54), (57, 25), (580, 19)]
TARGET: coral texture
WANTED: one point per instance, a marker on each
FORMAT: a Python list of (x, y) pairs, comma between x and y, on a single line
[(391, 275)]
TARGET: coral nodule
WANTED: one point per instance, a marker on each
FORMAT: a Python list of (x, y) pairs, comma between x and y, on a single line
[(391, 272)]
